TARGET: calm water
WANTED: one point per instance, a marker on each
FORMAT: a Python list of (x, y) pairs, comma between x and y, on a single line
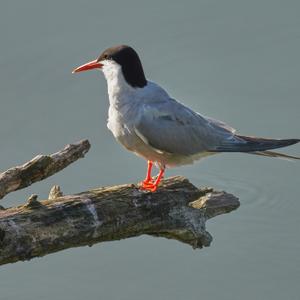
[(237, 61)]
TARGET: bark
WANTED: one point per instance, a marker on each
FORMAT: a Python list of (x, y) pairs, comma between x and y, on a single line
[(41, 167), (178, 210)]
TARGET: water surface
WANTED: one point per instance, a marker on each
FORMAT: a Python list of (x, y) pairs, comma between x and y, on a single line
[(237, 61)]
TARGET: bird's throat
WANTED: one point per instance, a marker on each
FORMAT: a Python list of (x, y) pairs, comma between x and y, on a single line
[(119, 91)]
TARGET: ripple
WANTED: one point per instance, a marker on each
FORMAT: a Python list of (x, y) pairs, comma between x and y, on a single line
[(250, 193)]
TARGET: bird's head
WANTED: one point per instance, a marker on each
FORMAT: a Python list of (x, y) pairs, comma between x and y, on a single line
[(117, 58)]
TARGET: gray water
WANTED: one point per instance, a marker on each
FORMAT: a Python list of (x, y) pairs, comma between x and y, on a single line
[(237, 61)]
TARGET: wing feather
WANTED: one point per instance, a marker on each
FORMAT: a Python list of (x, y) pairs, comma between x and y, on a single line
[(170, 126)]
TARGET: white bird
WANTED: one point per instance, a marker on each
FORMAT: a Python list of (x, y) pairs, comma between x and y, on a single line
[(147, 121)]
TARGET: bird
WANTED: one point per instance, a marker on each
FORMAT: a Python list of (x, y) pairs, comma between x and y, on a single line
[(165, 132)]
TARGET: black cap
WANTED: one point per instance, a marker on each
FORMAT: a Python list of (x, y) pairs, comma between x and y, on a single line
[(130, 62)]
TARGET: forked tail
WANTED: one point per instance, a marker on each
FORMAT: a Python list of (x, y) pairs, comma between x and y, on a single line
[(258, 146), (275, 154)]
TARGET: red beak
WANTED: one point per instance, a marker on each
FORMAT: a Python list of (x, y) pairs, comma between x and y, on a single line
[(88, 66)]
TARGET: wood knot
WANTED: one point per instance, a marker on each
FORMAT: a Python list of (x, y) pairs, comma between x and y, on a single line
[(55, 192), (32, 202)]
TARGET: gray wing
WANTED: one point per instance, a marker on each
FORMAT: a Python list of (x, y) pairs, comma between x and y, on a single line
[(170, 126)]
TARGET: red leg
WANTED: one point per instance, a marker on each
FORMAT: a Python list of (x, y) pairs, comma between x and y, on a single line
[(152, 187), (148, 176), (148, 180), (160, 176)]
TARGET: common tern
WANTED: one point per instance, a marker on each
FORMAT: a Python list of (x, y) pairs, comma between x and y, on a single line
[(147, 121)]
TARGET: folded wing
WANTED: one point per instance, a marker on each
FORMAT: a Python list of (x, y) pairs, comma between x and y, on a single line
[(172, 127)]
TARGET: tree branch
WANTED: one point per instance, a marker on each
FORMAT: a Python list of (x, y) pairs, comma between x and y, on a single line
[(41, 167), (178, 210)]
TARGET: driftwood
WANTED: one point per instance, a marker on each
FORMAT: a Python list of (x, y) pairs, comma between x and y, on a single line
[(41, 167), (178, 210)]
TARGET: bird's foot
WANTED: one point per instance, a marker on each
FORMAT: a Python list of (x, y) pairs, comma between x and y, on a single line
[(145, 183), (151, 183), (151, 187)]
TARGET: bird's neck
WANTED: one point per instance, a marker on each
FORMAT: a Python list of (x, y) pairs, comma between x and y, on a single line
[(119, 91)]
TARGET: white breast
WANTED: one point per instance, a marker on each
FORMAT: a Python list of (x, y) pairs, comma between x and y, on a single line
[(126, 105), (121, 98)]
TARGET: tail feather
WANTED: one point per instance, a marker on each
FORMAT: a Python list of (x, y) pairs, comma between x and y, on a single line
[(254, 144), (275, 154)]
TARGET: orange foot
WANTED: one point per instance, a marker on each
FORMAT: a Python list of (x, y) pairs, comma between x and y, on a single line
[(151, 187)]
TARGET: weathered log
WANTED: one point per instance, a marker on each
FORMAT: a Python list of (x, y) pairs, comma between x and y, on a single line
[(178, 210), (41, 167)]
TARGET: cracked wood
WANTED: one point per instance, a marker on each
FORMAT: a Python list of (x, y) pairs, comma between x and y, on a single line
[(178, 210), (41, 167)]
